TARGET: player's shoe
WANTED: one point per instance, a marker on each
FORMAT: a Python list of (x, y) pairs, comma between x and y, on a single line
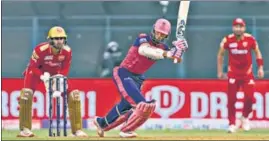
[(99, 130), (79, 133), (128, 134), (232, 129), (245, 124), (26, 133)]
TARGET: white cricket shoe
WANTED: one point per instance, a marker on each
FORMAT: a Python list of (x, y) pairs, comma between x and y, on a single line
[(232, 129), (79, 133), (26, 133), (245, 124), (128, 134), (99, 130)]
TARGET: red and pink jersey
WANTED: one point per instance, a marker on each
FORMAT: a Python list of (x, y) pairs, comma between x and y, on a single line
[(240, 58), (43, 60), (136, 63)]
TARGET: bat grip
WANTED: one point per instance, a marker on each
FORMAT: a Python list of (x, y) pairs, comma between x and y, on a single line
[(175, 60)]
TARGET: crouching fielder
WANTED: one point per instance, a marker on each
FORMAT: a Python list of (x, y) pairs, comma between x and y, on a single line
[(133, 110), (48, 59)]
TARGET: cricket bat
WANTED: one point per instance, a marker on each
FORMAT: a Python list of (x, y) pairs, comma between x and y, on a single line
[(182, 20)]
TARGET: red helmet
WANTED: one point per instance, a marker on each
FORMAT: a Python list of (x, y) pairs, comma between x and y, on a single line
[(239, 21)]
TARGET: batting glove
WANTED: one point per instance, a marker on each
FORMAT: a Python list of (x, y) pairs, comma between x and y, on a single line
[(180, 46)]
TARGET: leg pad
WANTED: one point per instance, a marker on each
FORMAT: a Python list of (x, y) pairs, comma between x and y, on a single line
[(25, 113), (140, 115)]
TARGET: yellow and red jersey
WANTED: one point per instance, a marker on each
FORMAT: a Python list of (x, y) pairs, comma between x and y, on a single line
[(43, 60)]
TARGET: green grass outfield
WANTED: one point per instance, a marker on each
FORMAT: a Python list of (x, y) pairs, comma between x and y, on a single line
[(255, 134)]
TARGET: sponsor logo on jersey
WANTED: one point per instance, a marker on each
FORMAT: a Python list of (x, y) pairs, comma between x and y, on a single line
[(233, 45), (237, 51), (50, 57), (53, 64)]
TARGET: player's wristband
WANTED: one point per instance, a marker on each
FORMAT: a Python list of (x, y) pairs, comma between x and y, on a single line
[(259, 62)]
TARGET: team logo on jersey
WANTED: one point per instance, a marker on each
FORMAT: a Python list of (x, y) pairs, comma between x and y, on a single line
[(143, 40), (245, 44), (233, 45), (50, 57), (61, 57)]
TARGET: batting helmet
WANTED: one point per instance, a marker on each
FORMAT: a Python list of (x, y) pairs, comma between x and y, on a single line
[(163, 26), (55, 32)]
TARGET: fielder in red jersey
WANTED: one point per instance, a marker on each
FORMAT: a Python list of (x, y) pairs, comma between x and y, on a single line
[(45, 59), (49, 59), (239, 46)]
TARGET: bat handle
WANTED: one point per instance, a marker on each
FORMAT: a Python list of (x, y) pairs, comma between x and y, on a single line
[(175, 60)]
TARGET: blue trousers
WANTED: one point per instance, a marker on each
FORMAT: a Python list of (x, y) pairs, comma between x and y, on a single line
[(129, 86)]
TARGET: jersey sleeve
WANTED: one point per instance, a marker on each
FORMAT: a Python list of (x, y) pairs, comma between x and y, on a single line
[(254, 43), (140, 40), (35, 62), (66, 64), (224, 43), (166, 47)]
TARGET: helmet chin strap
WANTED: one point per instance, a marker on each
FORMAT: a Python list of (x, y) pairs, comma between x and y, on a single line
[(154, 40)]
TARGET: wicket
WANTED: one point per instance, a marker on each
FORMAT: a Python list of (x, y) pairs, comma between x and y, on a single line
[(57, 80)]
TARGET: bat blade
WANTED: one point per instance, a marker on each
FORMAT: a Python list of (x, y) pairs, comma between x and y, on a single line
[(182, 17), (183, 11)]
